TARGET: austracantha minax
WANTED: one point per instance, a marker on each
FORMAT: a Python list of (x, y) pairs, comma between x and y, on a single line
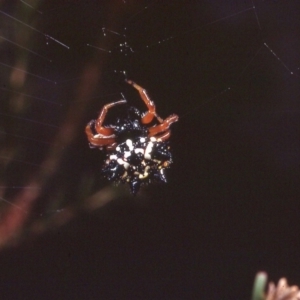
[(137, 153)]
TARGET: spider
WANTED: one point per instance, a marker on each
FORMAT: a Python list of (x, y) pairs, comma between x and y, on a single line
[(137, 152)]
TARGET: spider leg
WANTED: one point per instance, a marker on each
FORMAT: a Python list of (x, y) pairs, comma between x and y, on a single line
[(164, 136), (98, 125), (151, 113), (163, 128), (98, 140)]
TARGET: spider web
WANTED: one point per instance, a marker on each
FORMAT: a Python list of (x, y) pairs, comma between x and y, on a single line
[(224, 59)]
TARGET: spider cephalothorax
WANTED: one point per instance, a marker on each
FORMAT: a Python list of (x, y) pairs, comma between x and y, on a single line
[(136, 152)]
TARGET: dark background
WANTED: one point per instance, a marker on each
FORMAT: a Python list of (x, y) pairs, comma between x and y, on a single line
[(231, 206)]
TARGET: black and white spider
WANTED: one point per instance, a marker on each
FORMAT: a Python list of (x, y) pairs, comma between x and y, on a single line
[(137, 153)]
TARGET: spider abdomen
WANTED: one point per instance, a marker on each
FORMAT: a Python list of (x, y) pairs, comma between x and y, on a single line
[(137, 162)]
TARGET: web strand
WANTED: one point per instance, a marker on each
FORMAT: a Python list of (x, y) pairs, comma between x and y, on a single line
[(278, 58), (21, 47), (34, 29)]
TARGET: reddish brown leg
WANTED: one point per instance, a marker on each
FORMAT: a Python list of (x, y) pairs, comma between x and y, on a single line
[(151, 113), (164, 136), (98, 140), (164, 126), (102, 115)]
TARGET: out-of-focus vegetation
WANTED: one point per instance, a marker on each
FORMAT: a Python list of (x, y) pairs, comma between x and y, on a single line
[(37, 140)]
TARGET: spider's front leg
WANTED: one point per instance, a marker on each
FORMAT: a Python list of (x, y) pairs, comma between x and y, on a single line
[(151, 113), (98, 125), (104, 136)]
